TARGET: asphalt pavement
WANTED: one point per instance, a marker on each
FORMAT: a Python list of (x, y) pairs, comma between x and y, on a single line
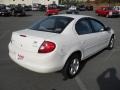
[(100, 72)]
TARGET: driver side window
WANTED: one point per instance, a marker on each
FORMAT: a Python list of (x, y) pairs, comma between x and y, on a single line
[(104, 9), (97, 26)]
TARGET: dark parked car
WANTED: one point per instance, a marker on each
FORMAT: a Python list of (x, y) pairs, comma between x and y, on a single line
[(11, 6), (4, 10), (42, 8), (28, 8), (85, 8), (82, 8), (18, 11), (89, 7)]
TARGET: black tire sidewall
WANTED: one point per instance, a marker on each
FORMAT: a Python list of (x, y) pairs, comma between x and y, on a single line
[(109, 46), (66, 69)]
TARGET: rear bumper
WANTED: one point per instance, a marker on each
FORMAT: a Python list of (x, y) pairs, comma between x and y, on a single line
[(34, 61), (4, 13), (115, 14), (51, 13)]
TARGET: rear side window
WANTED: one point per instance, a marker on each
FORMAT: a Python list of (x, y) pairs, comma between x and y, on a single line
[(83, 27)]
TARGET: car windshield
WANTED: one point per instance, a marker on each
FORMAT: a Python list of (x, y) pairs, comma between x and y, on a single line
[(107, 8), (52, 6), (55, 24), (111, 8)]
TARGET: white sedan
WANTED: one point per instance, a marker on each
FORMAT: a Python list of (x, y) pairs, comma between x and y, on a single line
[(59, 42)]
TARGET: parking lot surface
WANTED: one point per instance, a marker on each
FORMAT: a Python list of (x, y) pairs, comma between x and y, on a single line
[(100, 72)]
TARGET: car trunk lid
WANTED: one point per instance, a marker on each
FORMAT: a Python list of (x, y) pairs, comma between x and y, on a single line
[(30, 40)]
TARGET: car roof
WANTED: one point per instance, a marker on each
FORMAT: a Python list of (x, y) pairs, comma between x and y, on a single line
[(73, 16)]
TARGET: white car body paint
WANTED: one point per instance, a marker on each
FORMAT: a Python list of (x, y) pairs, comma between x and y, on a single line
[(24, 50)]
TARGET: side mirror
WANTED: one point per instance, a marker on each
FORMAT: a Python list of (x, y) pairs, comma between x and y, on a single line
[(107, 29)]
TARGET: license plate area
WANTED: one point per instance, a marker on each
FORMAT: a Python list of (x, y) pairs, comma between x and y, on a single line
[(20, 56)]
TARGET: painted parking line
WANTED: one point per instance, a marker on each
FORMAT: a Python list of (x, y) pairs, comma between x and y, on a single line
[(81, 85), (4, 34)]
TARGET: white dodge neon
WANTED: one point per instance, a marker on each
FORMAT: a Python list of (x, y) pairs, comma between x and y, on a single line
[(59, 42)]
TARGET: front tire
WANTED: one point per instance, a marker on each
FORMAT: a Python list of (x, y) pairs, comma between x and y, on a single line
[(72, 66), (107, 16), (111, 43), (97, 14)]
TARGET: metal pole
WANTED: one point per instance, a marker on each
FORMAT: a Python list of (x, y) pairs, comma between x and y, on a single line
[(109, 3)]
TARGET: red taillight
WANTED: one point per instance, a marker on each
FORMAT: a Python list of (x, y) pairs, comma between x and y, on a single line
[(46, 47)]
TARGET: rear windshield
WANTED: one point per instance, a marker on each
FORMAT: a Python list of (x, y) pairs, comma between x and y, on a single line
[(52, 6), (110, 8), (107, 8), (55, 24)]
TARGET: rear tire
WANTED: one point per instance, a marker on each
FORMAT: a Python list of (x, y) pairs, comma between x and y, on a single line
[(49, 15), (72, 66), (97, 14)]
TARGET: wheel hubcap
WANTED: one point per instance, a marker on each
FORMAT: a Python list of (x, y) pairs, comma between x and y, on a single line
[(74, 66)]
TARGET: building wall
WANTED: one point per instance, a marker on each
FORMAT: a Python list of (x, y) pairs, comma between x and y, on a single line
[(28, 2), (7, 2), (51, 1)]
